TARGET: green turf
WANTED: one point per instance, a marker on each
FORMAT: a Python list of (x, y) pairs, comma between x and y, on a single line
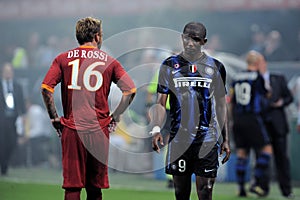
[(37, 184), (35, 191)]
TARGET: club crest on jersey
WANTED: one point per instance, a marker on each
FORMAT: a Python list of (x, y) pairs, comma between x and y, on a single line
[(209, 70), (176, 66), (193, 68)]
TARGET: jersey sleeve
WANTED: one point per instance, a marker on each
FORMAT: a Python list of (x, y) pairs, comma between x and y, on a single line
[(220, 82), (53, 76), (122, 79), (163, 79)]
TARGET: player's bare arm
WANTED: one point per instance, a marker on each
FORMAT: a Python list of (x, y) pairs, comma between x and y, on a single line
[(157, 113), (51, 109), (223, 121), (122, 106)]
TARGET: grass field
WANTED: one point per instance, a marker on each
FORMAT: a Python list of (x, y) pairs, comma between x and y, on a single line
[(37, 184)]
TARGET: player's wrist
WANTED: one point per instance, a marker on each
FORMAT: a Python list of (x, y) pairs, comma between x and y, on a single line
[(115, 117), (155, 129)]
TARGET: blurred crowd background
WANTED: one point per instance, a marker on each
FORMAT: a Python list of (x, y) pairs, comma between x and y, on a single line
[(33, 32)]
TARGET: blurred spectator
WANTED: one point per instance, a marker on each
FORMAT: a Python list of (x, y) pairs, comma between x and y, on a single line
[(48, 52), (33, 48), (274, 49), (277, 125), (20, 58), (213, 44), (11, 105), (38, 133), (257, 39)]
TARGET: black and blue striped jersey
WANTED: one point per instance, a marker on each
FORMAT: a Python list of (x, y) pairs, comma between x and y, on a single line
[(193, 88), (248, 93)]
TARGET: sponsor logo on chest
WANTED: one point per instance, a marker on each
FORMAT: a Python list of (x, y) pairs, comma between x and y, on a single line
[(192, 82)]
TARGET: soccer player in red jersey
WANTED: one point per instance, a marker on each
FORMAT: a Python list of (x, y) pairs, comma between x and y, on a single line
[(86, 74)]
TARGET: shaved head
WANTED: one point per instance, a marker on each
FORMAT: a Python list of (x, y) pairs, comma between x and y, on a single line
[(253, 58), (256, 61)]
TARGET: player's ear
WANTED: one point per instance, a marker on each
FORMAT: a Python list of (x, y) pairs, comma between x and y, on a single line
[(97, 37), (204, 41)]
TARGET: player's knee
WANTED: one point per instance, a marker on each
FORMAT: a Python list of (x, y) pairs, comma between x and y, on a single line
[(206, 188)]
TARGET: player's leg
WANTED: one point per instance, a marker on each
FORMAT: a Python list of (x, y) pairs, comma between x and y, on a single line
[(72, 193), (263, 149), (178, 164), (205, 166), (93, 194), (73, 161), (241, 169), (204, 187), (182, 186), (96, 178), (262, 171), (96, 165), (243, 142)]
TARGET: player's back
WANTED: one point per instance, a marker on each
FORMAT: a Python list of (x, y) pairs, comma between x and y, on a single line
[(249, 91), (87, 73)]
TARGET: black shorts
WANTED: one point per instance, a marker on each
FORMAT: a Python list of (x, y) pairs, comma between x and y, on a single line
[(249, 131), (200, 159)]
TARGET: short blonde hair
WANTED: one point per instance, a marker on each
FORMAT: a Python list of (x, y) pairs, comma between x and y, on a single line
[(253, 58), (86, 28)]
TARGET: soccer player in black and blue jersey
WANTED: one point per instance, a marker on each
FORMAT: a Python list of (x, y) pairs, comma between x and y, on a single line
[(195, 84), (249, 93)]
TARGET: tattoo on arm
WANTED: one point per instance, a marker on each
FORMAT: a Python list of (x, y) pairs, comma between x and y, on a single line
[(49, 103)]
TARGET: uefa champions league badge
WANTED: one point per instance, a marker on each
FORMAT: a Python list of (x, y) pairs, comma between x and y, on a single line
[(209, 71)]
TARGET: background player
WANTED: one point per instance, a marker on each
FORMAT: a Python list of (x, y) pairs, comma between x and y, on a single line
[(195, 83), (85, 74), (248, 93)]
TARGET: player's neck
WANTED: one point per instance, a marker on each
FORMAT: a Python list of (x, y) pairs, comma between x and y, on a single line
[(91, 44), (192, 57)]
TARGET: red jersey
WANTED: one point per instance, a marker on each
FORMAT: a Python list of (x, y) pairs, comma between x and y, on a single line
[(86, 74)]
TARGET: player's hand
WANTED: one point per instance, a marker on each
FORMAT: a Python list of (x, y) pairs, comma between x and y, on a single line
[(225, 148), (57, 125), (157, 138), (112, 124), (278, 103)]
